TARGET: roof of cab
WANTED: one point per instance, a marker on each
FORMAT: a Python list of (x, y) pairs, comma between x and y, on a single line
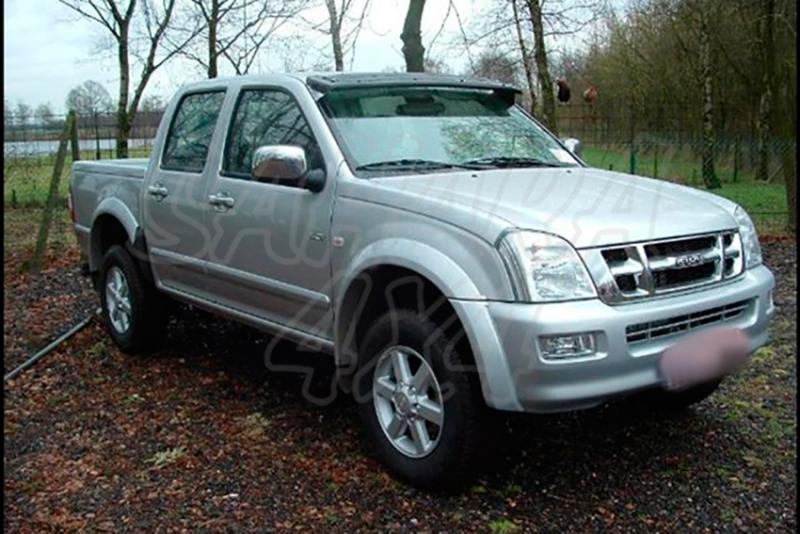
[(330, 81), (325, 82)]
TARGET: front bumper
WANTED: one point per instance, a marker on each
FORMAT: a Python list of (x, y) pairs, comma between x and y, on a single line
[(515, 377)]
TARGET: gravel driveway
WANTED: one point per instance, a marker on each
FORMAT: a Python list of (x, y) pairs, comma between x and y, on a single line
[(202, 437)]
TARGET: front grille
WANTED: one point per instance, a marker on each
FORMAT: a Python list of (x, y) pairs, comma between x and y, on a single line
[(643, 332), (642, 270)]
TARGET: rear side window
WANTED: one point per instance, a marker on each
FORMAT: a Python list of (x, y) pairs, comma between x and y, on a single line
[(191, 130), (267, 117)]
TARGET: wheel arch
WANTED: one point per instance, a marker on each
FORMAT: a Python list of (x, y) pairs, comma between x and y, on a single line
[(367, 292), (112, 224)]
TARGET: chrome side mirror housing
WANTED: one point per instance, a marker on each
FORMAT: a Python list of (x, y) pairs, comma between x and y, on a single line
[(279, 162), (573, 145)]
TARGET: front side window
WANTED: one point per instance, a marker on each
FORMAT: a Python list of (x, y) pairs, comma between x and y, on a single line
[(414, 129), (266, 117), (191, 130)]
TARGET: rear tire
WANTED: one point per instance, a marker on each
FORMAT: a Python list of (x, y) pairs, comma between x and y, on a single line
[(453, 432), (134, 311)]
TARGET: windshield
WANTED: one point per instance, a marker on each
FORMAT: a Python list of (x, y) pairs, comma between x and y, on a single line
[(401, 129)]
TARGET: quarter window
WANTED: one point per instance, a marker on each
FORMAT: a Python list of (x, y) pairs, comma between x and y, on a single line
[(267, 117), (190, 132)]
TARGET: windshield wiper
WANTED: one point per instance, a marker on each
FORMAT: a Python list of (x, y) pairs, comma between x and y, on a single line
[(407, 164), (512, 161)]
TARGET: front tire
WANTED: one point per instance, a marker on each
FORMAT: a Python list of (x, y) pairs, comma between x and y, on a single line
[(420, 407), (132, 308)]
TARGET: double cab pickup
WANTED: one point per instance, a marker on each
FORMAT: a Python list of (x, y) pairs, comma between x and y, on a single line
[(451, 254)]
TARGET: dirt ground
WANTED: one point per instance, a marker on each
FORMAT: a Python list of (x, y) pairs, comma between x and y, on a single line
[(203, 437)]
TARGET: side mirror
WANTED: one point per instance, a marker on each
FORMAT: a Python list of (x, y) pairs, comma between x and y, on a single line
[(286, 163), (573, 145), (279, 162)]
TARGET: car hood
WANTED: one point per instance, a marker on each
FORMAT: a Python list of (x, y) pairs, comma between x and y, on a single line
[(588, 207)]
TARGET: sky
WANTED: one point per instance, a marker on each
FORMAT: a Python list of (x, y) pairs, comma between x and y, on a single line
[(48, 49)]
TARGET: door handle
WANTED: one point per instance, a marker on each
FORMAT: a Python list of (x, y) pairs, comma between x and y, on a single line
[(221, 201), (158, 191)]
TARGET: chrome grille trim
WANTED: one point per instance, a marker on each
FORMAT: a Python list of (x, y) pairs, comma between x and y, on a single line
[(624, 273), (649, 331)]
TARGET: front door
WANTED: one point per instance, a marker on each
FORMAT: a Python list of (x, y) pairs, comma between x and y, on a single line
[(269, 254), (175, 204)]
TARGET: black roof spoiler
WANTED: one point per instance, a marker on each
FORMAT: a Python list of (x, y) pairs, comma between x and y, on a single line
[(327, 83)]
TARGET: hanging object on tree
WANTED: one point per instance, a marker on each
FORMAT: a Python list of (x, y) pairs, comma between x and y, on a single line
[(590, 94), (563, 90)]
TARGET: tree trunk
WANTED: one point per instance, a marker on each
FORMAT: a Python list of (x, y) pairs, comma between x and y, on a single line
[(212, 39), (526, 60), (710, 178), (542, 68), (123, 127), (785, 108), (336, 35), (764, 111), (413, 51)]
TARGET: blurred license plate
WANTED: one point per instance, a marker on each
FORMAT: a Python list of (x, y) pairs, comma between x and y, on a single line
[(703, 356)]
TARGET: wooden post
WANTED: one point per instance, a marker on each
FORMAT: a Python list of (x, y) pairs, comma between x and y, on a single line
[(52, 195), (73, 136)]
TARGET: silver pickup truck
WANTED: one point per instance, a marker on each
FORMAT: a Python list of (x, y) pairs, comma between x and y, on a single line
[(451, 254)]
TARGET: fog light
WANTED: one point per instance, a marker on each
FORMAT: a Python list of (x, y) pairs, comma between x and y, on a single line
[(558, 348)]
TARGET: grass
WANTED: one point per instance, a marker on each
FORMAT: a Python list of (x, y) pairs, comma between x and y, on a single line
[(166, 457), (503, 526), (765, 202), (26, 181)]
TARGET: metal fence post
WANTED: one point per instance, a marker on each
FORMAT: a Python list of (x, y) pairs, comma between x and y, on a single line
[(96, 137), (655, 160)]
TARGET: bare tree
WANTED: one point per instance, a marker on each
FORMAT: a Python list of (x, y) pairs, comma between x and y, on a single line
[(525, 29), (343, 26), (88, 99), (8, 113), (496, 66), (413, 51), (526, 60), (707, 62), (542, 67), (44, 114), (23, 113), (766, 27), (152, 103), (128, 32), (235, 30)]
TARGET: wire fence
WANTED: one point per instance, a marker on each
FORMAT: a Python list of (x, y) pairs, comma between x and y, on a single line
[(38, 138), (610, 141), (615, 140), (30, 147)]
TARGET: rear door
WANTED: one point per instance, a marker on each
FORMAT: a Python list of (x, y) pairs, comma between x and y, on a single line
[(175, 202), (269, 256)]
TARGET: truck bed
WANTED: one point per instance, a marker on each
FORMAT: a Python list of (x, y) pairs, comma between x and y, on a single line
[(132, 168), (110, 186)]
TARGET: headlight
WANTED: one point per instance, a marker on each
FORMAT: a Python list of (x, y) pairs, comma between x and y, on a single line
[(747, 230), (544, 267)]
